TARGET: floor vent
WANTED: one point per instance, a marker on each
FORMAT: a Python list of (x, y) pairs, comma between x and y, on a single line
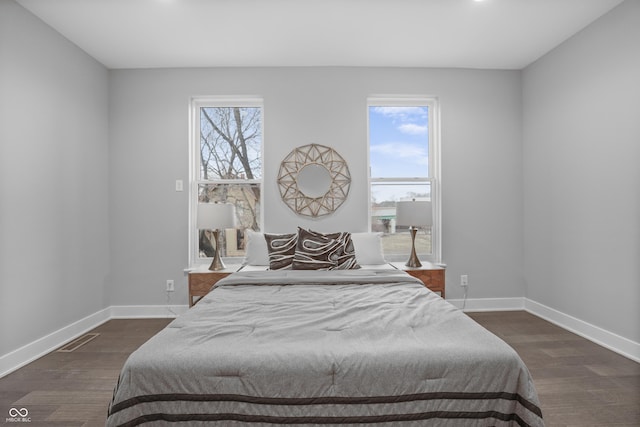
[(77, 343)]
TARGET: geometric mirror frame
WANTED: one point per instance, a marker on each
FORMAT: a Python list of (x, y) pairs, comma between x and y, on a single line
[(314, 180)]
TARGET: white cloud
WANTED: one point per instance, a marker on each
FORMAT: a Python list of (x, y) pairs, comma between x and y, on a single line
[(409, 120), (412, 129), (400, 150), (401, 112)]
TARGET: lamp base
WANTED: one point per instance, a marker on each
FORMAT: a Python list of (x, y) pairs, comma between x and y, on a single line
[(413, 262), (217, 263)]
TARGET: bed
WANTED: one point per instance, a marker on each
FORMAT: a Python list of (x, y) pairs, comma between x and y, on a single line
[(339, 347)]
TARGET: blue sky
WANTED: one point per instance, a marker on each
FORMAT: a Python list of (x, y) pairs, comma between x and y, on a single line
[(399, 148), (398, 138)]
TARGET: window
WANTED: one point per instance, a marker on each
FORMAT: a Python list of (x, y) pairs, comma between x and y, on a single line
[(404, 165), (226, 167)]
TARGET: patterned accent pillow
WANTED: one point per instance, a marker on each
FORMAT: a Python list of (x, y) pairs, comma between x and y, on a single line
[(282, 248), (319, 251), (347, 255)]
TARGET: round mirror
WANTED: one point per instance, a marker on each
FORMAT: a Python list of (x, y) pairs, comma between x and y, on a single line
[(313, 180)]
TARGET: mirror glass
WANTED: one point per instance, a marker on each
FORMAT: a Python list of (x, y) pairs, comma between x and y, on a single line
[(313, 180)]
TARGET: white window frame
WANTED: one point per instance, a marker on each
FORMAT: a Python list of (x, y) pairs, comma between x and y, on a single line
[(196, 103), (434, 178)]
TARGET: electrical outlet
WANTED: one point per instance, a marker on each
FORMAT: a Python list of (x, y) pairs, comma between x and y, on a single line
[(170, 287), (464, 280)]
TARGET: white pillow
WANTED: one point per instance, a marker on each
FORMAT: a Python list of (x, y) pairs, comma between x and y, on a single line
[(257, 252), (368, 248)]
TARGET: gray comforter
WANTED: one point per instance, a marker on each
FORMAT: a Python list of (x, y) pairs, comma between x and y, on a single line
[(330, 348)]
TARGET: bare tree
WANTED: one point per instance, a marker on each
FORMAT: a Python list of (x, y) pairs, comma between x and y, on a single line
[(230, 146)]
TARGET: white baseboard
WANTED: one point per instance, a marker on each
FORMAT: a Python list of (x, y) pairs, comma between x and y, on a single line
[(146, 311), (621, 345), (38, 348), (489, 304), (606, 339)]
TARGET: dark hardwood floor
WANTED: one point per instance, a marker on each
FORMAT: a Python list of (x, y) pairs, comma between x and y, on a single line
[(74, 389), (579, 383)]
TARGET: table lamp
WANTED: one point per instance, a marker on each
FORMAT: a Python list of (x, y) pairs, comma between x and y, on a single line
[(216, 216), (415, 214)]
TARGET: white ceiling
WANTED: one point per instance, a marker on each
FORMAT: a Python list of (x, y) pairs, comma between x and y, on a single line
[(494, 34)]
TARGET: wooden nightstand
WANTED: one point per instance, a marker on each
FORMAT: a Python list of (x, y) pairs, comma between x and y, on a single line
[(202, 279), (431, 275)]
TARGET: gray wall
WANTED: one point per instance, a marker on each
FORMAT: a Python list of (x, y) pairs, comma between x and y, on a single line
[(481, 164), (88, 160), (54, 257), (581, 175)]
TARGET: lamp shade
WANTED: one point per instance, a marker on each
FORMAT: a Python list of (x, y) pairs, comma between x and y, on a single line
[(414, 213), (212, 216)]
